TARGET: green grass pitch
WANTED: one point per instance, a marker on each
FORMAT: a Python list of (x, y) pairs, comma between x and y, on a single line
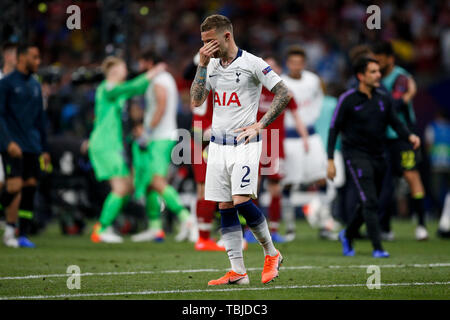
[(313, 269)]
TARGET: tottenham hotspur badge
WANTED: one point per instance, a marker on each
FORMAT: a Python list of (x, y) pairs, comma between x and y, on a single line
[(237, 75)]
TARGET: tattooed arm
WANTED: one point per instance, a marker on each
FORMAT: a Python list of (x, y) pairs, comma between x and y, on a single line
[(199, 92), (279, 102), (198, 88)]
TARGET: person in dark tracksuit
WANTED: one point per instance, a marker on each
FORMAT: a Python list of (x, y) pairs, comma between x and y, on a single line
[(22, 141), (405, 162), (362, 116)]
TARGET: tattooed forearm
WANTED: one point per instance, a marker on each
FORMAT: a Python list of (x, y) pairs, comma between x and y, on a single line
[(198, 91), (280, 101)]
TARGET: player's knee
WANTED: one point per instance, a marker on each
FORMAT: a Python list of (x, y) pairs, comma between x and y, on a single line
[(122, 189), (410, 175), (14, 185), (238, 199), (13, 188), (274, 187), (414, 181), (225, 205), (158, 183), (124, 192)]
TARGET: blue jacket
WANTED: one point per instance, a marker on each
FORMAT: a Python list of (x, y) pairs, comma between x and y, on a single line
[(22, 117)]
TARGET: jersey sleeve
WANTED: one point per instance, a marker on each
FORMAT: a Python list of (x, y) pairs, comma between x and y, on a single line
[(317, 101), (265, 74), (128, 89)]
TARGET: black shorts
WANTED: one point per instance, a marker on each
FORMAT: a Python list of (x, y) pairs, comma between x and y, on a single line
[(402, 156), (25, 167)]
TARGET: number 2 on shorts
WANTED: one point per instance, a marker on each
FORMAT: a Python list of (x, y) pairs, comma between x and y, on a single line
[(244, 178)]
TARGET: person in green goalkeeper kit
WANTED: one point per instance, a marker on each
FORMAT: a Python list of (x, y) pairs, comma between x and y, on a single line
[(152, 155), (106, 150)]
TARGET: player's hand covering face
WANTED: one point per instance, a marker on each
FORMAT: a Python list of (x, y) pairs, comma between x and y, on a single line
[(210, 48)]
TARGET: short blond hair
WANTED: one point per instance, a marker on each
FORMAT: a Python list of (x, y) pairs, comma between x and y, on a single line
[(359, 51), (296, 50), (218, 22), (110, 62)]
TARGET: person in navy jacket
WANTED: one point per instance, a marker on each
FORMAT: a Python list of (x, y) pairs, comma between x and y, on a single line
[(22, 141)]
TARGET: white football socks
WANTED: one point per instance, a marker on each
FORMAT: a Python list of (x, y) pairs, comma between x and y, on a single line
[(233, 246), (288, 214), (262, 234), (444, 222), (9, 232)]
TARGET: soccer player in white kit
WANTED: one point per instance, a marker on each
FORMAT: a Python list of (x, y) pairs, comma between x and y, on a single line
[(236, 78), (304, 168)]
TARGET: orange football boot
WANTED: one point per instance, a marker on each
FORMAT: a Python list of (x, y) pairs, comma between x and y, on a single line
[(94, 236), (271, 267)]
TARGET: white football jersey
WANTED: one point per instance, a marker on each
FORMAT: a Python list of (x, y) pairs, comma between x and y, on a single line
[(167, 126), (308, 95), (236, 91)]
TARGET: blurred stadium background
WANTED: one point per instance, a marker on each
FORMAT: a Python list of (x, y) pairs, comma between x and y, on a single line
[(419, 31)]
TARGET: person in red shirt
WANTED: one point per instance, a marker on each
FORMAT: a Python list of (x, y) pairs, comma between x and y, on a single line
[(271, 162)]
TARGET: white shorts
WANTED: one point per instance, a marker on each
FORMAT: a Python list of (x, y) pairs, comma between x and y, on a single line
[(304, 167), (2, 172), (232, 170)]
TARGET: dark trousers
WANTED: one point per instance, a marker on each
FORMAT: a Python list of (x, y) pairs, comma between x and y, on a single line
[(366, 174), (346, 202), (387, 205)]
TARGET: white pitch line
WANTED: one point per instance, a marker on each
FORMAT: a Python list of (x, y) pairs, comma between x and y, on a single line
[(125, 273), (150, 292)]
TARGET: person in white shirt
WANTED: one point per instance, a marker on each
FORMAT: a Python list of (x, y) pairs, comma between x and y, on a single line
[(152, 155), (306, 168), (303, 167), (236, 77)]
